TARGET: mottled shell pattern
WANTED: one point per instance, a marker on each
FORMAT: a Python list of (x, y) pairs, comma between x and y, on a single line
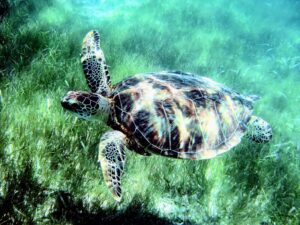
[(179, 115)]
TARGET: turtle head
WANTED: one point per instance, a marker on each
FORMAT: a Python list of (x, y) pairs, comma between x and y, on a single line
[(85, 105)]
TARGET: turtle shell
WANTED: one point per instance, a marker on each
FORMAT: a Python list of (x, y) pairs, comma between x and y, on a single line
[(179, 115)]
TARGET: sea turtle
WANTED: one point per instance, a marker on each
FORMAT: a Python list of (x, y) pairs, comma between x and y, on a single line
[(170, 113)]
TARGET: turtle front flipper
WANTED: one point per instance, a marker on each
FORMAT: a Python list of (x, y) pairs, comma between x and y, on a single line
[(112, 160), (259, 130), (94, 66)]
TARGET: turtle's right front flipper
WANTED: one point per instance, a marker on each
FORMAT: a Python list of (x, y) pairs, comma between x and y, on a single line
[(112, 160), (94, 66)]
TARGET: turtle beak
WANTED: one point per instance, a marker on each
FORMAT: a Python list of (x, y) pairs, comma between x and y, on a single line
[(66, 103)]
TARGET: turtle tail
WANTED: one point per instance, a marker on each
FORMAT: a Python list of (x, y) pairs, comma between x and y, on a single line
[(259, 130), (253, 98)]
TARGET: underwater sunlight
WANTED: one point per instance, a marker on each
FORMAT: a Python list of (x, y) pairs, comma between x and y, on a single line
[(182, 112)]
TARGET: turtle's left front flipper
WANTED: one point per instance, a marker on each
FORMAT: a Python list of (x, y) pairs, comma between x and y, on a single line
[(94, 65), (112, 160)]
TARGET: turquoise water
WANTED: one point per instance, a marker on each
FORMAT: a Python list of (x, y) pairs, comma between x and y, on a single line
[(48, 158)]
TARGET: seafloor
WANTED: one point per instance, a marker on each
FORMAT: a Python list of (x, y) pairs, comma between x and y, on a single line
[(48, 158)]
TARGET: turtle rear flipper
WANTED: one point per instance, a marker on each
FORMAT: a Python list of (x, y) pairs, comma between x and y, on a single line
[(259, 130), (112, 160), (94, 66)]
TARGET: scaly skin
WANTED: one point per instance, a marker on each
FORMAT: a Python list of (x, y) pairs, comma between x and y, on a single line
[(173, 114)]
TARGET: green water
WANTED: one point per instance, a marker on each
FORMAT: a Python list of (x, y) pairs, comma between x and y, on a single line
[(48, 158)]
